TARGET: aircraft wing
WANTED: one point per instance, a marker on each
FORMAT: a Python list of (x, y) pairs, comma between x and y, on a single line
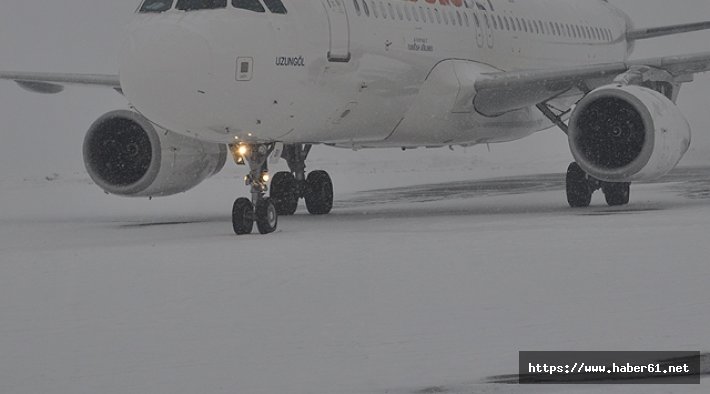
[(501, 92), (50, 83)]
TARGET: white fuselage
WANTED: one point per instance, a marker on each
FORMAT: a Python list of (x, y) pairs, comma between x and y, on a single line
[(328, 72)]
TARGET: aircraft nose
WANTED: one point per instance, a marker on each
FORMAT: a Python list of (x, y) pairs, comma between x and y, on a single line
[(165, 71)]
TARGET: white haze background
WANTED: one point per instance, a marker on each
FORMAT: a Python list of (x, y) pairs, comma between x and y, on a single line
[(100, 294), (42, 135)]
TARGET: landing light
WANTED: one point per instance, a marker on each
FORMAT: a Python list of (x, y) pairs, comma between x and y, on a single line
[(265, 177), (243, 150)]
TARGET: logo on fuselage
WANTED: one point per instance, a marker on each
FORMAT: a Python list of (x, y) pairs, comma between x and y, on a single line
[(297, 61), (420, 45)]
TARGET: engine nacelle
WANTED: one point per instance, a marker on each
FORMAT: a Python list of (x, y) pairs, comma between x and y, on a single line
[(627, 133), (125, 154)]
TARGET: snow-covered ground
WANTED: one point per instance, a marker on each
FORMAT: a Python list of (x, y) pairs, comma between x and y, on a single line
[(423, 288)]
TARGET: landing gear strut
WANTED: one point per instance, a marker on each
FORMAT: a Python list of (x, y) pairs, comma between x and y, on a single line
[(580, 187), (259, 209), (288, 187)]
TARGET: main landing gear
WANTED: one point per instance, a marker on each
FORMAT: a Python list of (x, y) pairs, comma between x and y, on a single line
[(581, 186), (286, 188)]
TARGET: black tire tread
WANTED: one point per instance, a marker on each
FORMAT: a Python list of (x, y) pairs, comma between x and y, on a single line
[(283, 193), (579, 192), (242, 211), (319, 196)]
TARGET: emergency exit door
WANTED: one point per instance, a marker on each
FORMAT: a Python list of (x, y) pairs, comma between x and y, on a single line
[(339, 50)]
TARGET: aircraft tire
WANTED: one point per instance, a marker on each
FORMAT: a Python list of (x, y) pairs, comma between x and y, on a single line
[(617, 194), (283, 193), (579, 191), (319, 193), (267, 218), (242, 216)]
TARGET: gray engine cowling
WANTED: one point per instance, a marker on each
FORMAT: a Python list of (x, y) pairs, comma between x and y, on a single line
[(623, 133), (125, 154)]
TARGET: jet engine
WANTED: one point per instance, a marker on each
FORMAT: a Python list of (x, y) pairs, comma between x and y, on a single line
[(630, 133), (125, 154)]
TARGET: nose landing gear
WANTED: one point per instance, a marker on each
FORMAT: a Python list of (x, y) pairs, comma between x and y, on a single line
[(259, 209)]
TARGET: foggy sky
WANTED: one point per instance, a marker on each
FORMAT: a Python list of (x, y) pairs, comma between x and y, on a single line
[(43, 134)]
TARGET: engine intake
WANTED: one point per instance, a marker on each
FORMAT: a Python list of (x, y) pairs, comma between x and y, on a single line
[(627, 133), (126, 155)]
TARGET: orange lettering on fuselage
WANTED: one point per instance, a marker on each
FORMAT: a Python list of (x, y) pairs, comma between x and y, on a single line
[(456, 3)]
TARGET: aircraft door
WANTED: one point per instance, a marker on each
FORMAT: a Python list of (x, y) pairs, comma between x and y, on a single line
[(339, 50)]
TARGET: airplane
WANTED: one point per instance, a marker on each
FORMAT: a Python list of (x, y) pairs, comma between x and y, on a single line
[(263, 80)]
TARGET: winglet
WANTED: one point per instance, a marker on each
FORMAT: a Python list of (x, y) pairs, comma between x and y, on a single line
[(642, 34)]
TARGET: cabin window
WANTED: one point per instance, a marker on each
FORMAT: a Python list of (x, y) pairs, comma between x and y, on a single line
[(407, 14), (277, 7), (466, 20), (189, 5), (476, 21), (399, 12), (431, 16), (446, 18), (438, 16), (357, 7), (156, 6), (383, 10), (251, 5), (415, 14), (374, 9), (458, 16)]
